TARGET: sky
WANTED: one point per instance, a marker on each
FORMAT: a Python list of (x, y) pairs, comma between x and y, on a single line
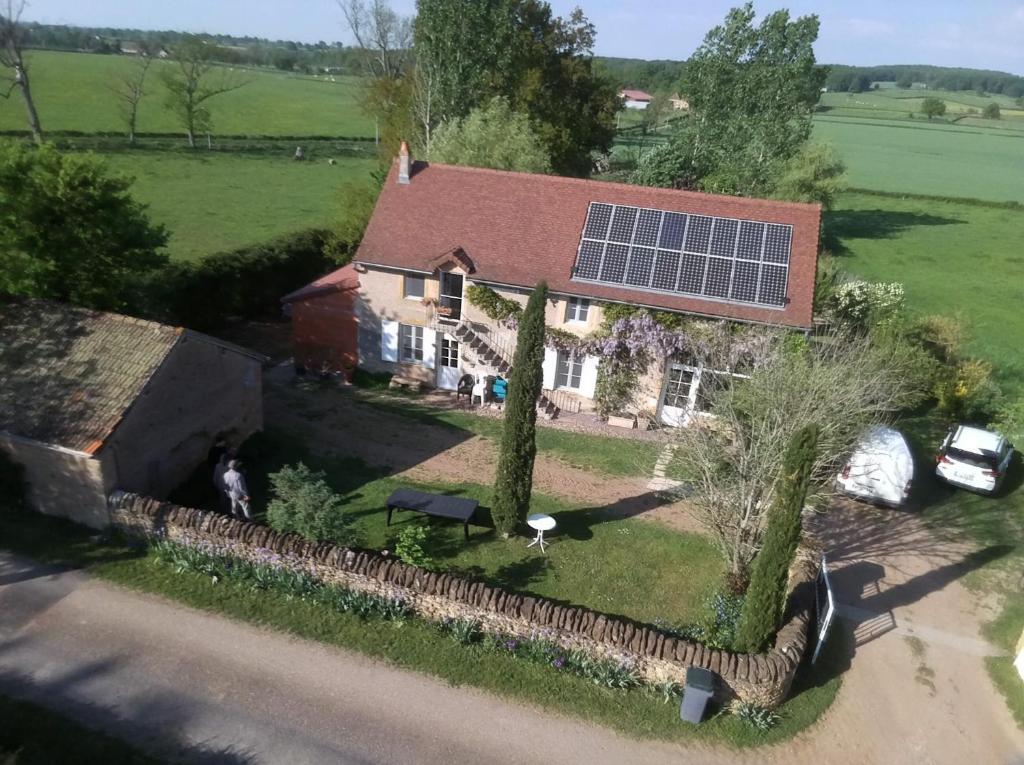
[(983, 34)]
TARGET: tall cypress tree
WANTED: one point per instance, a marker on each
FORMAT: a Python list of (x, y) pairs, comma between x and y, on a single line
[(766, 596), (518, 443)]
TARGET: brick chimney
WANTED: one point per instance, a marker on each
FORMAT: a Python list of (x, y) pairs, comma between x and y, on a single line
[(403, 163)]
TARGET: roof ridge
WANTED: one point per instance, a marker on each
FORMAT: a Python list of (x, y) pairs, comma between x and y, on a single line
[(570, 180)]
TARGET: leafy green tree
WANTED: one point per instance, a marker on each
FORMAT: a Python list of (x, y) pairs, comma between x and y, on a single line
[(905, 81), (766, 596), (991, 112), (491, 136), (933, 107), (304, 504), (468, 51), (816, 174), (193, 83), (69, 229), (514, 481), (751, 90)]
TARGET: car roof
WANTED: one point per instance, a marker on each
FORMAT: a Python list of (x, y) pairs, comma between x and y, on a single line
[(977, 440)]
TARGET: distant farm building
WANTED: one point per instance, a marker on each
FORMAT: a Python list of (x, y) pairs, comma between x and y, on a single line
[(91, 402), (635, 99), (678, 102)]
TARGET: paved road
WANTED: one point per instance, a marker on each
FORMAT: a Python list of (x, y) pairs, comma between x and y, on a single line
[(149, 670)]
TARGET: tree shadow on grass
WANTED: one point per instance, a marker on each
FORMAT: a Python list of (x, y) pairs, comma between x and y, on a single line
[(840, 225)]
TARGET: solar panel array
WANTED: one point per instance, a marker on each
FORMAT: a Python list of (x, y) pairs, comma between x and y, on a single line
[(744, 261)]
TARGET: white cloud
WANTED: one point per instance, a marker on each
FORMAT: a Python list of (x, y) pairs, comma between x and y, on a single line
[(862, 27)]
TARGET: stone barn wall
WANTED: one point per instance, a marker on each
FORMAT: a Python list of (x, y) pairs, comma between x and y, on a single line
[(763, 679)]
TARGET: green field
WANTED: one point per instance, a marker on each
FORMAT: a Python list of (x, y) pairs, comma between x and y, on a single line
[(952, 258), (904, 101), (73, 92), (938, 159), (213, 201)]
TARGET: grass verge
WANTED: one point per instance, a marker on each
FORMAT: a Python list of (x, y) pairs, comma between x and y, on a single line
[(33, 735), (419, 647)]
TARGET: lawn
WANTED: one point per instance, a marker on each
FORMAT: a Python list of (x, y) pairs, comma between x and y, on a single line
[(214, 201), (417, 646), (952, 258), (591, 562), (940, 160), (72, 91)]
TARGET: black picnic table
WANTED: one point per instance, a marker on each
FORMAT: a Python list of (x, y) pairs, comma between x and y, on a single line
[(437, 505)]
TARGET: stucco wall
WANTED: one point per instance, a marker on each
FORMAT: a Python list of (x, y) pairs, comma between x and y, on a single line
[(63, 483), (380, 297), (201, 389)]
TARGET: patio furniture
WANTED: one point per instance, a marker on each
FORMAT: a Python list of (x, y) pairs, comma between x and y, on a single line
[(465, 388), (479, 390), (541, 523), (437, 505)]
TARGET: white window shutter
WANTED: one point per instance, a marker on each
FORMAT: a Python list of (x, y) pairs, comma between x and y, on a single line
[(429, 347), (588, 380), (388, 340), (550, 362)]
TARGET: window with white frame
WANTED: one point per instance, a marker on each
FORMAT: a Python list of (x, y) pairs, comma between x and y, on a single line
[(577, 310), (410, 343), (568, 371), (413, 287)]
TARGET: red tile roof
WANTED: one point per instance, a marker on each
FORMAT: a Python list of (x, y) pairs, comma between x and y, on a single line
[(635, 95), (345, 278), (518, 229)]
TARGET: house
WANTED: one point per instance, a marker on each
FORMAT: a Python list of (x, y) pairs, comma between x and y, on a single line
[(132, 49), (635, 99), (678, 103), (439, 229), (323, 323), (91, 402)]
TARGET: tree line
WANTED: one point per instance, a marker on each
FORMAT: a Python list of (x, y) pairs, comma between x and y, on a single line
[(860, 78)]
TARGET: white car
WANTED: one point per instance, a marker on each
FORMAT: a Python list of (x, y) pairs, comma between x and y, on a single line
[(880, 469), (974, 459)]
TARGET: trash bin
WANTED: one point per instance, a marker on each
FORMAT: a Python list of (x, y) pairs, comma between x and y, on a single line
[(700, 687)]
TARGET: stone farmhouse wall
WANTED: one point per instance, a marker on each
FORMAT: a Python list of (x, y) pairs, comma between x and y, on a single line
[(763, 679)]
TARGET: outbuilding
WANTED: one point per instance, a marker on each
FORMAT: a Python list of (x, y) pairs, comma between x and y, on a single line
[(92, 401)]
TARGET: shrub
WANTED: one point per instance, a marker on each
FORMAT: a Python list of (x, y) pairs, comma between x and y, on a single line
[(245, 283), (462, 631), (942, 336), (991, 111), (717, 628), (1009, 421), (766, 597), (495, 306), (866, 304), (409, 547), (304, 504), (12, 484), (968, 392), (362, 378)]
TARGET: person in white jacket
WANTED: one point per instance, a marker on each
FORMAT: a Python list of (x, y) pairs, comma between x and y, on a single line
[(237, 491)]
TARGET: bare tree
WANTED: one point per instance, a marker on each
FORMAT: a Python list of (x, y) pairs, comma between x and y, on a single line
[(194, 81), (730, 462), (424, 92), (384, 37), (12, 42), (129, 91)]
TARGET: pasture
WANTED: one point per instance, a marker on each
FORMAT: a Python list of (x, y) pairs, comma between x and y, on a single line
[(888, 102), (920, 158), (214, 201), (952, 258), (73, 91)]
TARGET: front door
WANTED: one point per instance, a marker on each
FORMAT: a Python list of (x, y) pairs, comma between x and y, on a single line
[(451, 296), (680, 393), (448, 370)]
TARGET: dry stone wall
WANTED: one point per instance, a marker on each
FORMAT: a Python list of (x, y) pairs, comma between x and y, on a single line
[(763, 679)]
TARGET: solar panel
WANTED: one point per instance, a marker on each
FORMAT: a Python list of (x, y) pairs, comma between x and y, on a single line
[(743, 261)]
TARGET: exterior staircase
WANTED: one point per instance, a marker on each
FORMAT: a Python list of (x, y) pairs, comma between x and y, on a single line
[(496, 353)]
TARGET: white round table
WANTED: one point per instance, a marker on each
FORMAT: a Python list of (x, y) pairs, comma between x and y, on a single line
[(541, 523)]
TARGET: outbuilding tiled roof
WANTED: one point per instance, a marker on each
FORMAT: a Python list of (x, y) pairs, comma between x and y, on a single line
[(68, 375), (518, 229), (345, 278)]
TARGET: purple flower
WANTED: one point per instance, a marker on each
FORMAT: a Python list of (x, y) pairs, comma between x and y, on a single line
[(511, 644), (559, 662)]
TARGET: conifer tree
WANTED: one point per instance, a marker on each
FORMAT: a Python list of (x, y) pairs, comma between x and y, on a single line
[(766, 596), (518, 443)]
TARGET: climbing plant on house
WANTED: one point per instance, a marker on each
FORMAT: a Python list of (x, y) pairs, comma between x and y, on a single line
[(763, 606), (514, 481)]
